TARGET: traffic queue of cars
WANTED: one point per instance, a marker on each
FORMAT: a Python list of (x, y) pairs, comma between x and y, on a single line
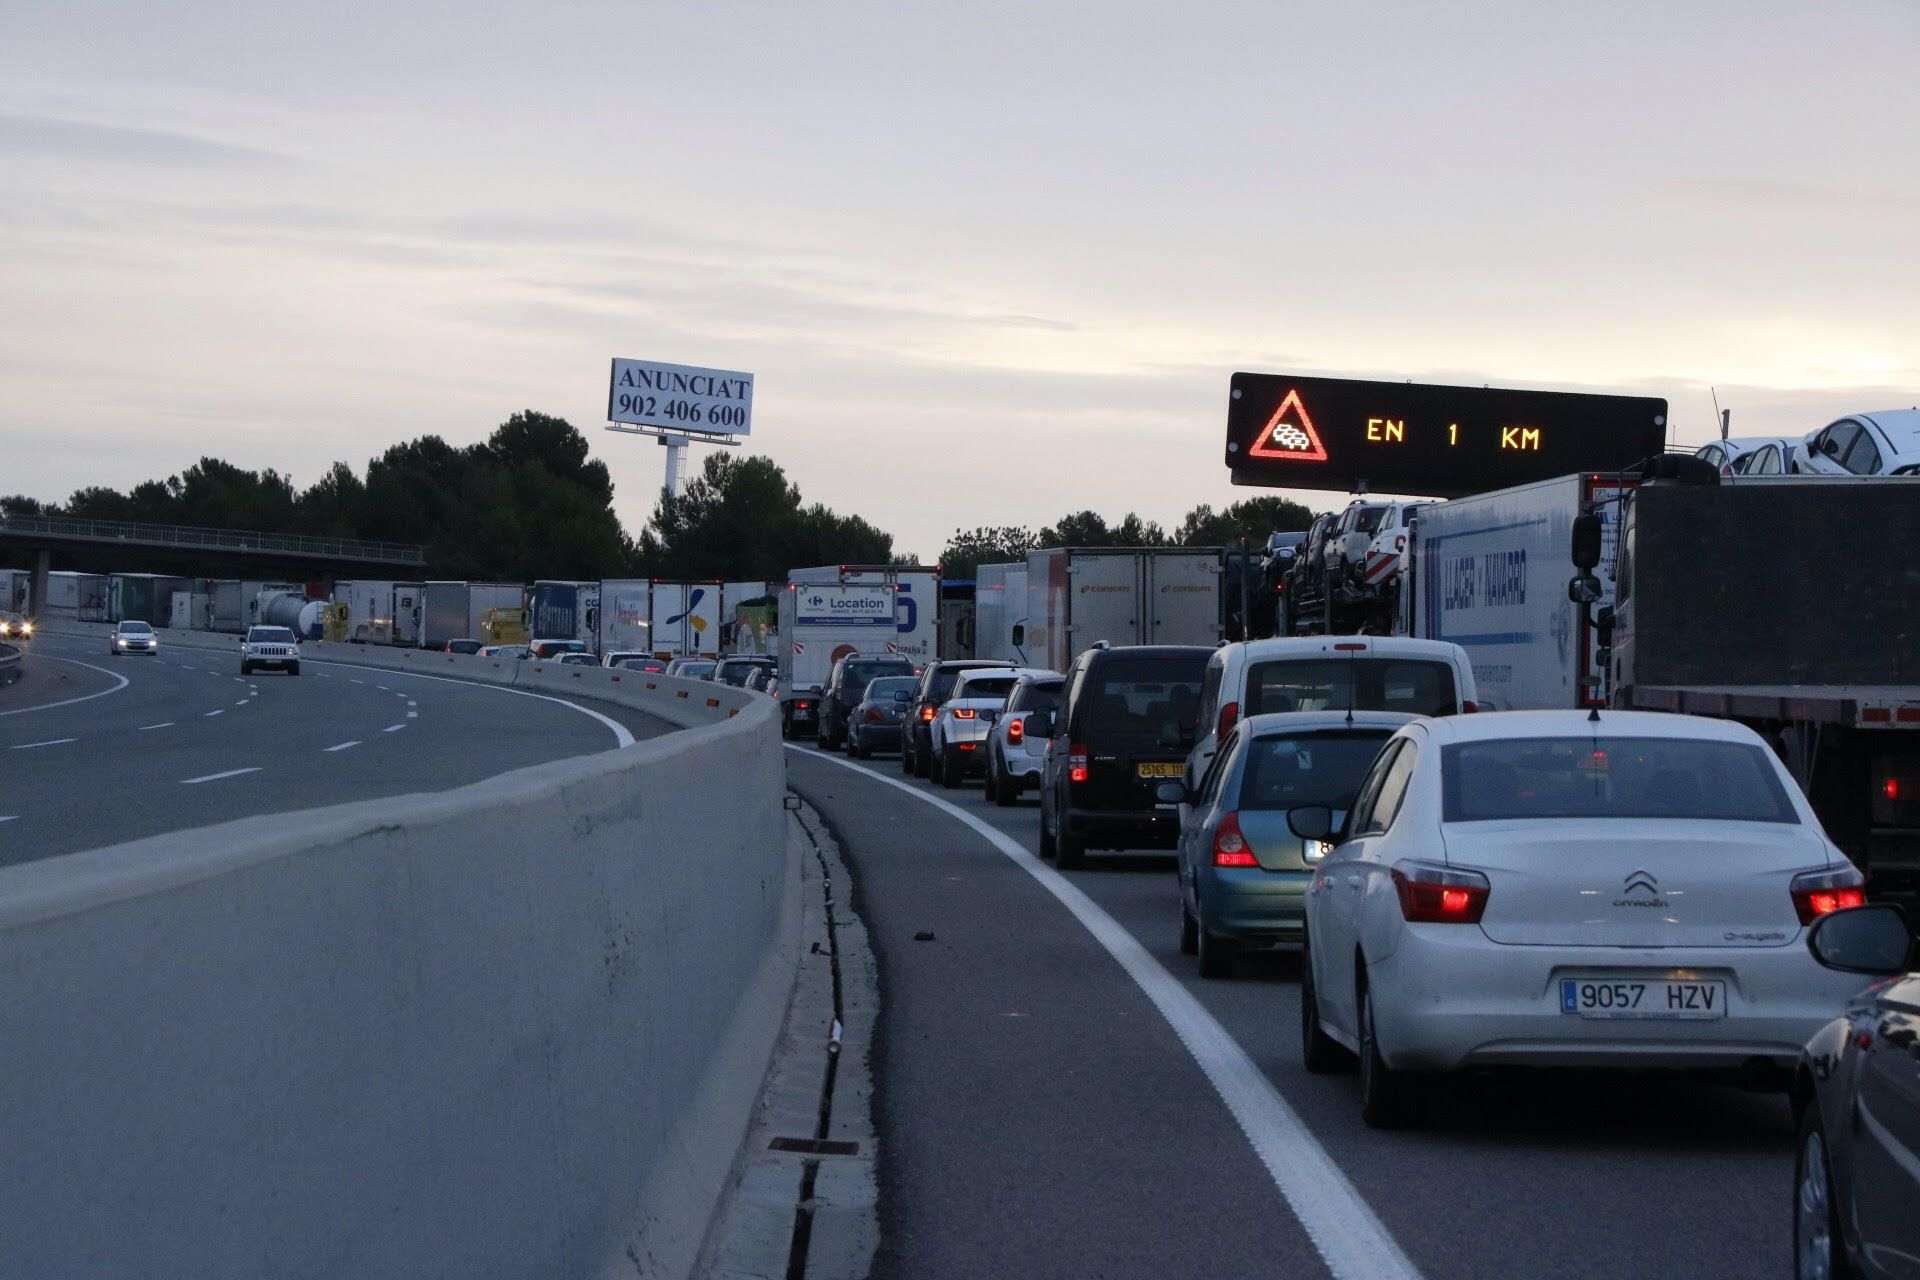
[(1467, 890)]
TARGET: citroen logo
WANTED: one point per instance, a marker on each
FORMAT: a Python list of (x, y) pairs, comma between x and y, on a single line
[(1643, 882)]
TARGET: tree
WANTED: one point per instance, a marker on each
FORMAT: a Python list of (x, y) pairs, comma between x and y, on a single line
[(968, 549), (741, 517), (1090, 529), (19, 504), (1253, 518)]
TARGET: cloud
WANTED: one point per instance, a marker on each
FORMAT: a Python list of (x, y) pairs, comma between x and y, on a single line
[(73, 139)]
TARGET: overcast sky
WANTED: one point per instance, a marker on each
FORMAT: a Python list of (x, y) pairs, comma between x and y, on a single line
[(987, 262)]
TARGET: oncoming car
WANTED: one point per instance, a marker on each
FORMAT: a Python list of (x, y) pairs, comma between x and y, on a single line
[(14, 627), (275, 647), (132, 637), (1550, 888)]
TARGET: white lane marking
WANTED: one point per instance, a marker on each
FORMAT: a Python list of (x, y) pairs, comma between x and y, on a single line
[(11, 817), (216, 711), (340, 746), (67, 702), (243, 702), (413, 715), (382, 688), (215, 777), (394, 728), (1351, 1239), (351, 680), (50, 742), (322, 675), (239, 679), (622, 736), (164, 724)]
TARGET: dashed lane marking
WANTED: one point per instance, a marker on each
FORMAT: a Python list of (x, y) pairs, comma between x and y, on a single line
[(243, 702), (394, 728), (50, 742), (413, 715), (1350, 1237), (164, 724), (216, 711), (215, 777), (340, 746), (10, 817)]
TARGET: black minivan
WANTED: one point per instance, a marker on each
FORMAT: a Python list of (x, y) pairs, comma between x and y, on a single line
[(1124, 727)]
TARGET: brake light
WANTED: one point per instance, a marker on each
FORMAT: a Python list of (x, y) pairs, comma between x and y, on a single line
[(1890, 788), (801, 706), (1076, 763), (1229, 846), (873, 715), (963, 713), (1468, 706), (1431, 894), (1350, 648), (926, 714), (1229, 715), (964, 746), (1821, 893), (1017, 730)]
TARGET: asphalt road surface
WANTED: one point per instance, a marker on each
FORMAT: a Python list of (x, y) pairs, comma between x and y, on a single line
[(95, 750), (1040, 1115)]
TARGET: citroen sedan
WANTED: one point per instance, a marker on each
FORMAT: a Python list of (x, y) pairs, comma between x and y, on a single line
[(1551, 888)]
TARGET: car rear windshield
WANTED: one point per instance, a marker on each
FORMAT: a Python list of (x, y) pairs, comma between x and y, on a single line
[(1041, 697), (1602, 777), (987, 687), (943, 681), (269, 635), (1411, 685), (1144, 700), (1285, 772), (859, 675), (890, 687)]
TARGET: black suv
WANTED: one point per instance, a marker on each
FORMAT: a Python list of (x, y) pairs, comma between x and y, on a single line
[(936, 686), (844, 689), (1124, 727)]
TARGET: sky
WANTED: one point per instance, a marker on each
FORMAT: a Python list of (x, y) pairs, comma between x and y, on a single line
[(988, 263)]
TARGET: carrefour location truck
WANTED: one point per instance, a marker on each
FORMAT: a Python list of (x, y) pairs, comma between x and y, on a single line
[(916, 602), (820, 623)]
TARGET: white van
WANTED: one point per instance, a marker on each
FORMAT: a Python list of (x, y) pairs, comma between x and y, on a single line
[(1328, 673)]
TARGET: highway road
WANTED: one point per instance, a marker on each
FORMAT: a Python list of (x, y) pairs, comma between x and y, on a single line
[(95, 749), (1060, 1095)]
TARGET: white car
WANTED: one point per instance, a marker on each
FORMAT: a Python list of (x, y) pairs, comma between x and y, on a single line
[(1016, 760), (1321, 673), (270, 647), (1750, 456), (132, 637), (958, 735), (1542, 888), (1883, 443)]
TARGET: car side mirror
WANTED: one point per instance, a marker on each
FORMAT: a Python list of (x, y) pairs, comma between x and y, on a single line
[(1872, 940), (1312, 822), (1586, 542), (1040, 724), (1171, 793)]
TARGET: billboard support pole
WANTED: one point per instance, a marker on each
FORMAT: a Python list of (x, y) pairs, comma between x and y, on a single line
[(676, 447)]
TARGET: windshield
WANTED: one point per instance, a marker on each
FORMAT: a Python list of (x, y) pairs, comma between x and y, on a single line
[(1409, 685), (943, 682), (987, 687), (269, 635), (696, 670), (1143, 700), (138, 629), (1602, 777), (1367, 519), (891, 687), (1289, 771)]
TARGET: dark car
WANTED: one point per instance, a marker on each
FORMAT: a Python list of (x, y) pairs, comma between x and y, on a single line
[(850, 678), (1128, 720), (735, 671), (463, 646), (1856, 1095), (936, 686), (874, 725)]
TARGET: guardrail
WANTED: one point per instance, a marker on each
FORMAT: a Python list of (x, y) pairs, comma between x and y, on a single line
[(192, 538), (511, 1029), (12, 664)]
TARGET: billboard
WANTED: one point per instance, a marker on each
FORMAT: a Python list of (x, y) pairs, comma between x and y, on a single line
[(1414, 438), (680, 399)]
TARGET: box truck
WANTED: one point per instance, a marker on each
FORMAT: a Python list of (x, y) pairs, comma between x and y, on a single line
[(916, 591), (191, 611), (553, 610), (1079, 596), (820, 623), (999, 605), (686, 618), (369, 606), (490, 602), (626, 615), (444, 609), (15, 587)]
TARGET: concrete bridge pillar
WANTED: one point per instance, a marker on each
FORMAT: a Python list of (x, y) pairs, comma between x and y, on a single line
[(42, 565)]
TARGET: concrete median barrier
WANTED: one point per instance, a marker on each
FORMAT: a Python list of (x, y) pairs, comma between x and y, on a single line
[(512, 1029)]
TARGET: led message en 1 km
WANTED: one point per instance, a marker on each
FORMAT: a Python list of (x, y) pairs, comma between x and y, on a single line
[(1405, 437)]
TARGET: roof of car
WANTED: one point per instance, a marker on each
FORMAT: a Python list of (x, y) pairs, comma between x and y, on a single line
[(1902, 427), (1490, 725), (1150, 651), (962, 664), (1391, 646), (1277, 722), (1001, 673)]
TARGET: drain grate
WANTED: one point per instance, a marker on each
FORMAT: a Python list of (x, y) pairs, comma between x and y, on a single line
[(815, 1146)]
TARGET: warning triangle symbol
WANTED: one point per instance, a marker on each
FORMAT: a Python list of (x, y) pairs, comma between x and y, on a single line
[(1292, 438)]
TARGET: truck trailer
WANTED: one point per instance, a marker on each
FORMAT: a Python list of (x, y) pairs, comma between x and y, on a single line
[(999, 606), (626, 615), (1080, 596), (444, 610), (820, 623), (916, 595)]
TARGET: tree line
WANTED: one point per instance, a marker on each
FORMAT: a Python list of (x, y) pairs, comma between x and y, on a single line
[(528, 503)]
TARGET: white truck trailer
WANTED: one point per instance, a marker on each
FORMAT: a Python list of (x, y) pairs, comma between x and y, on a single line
[(369, 610), (626, 615), (1079, 596), (819, 624), (444, 609), (686, 619), (483, 600), (916, 597), (999, 606)]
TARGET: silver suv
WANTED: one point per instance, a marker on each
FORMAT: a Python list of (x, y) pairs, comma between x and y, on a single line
[(270, 647)]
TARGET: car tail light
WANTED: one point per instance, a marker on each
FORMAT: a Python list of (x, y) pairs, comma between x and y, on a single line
[(1229, 716), (1432, 894), (801, 705), (1229, 846), (1350, 647), (963, 746), (1821, 893), (1468, 706), (1017, 730), (926, 714), (873, 715), (1076, 762), (963, 713)]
